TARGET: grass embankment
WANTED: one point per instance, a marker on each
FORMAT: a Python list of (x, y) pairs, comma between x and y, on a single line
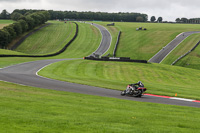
[(49, 39), (159, 79), (28, 109), (145, 44), (182, 48), (192, 60), (87, 41), (5, 23)]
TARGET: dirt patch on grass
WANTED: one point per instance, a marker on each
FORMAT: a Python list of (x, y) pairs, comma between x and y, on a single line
[(2, 25), (95, 31)]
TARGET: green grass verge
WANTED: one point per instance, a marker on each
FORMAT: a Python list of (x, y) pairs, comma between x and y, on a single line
[(159, 79), (182, 48), (145, 44), (29, 109)]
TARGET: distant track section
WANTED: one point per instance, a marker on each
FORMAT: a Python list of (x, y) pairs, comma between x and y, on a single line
[(105, 42), (165, 51)]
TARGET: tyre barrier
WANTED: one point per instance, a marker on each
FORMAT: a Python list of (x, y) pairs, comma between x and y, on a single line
[(48, 55), (116, 45), (186, 54), (119, 59)]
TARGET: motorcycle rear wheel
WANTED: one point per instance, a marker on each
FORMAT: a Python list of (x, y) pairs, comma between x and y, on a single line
[(137, 93)]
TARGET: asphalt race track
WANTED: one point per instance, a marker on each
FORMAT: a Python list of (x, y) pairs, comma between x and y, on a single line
[(173, 44), (105, 42), (26, 74)]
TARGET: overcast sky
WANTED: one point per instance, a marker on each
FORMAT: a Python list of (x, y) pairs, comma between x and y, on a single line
[(168, 9)]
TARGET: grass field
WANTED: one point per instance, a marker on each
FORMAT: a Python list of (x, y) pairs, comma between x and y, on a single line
[(28, 109), (159, 79), (145, 44), (5, 22)]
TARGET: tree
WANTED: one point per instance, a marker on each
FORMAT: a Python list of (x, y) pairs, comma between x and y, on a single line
[(30, 21), (4, 38), (160, 19), (11, 31), (18, 28), (24, 25), (184, 20), (178, 20), (153, 18), (16, 16), (4, 14)]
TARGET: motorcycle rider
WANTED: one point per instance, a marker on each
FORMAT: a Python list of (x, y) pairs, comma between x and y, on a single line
[(135, 86)]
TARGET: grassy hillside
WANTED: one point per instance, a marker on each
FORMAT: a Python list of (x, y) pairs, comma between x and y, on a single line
[(183, 48), (159, 79), (145, 44), (5, 22), (28, 109), (87, 41), (49, 39)]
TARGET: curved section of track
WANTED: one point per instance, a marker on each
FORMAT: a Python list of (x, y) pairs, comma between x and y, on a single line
[(26, 74), (105, 42), (162, 54)]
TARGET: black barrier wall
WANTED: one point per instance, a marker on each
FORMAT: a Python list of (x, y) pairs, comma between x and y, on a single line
[(116, 45), (48, 55), (119, 59)]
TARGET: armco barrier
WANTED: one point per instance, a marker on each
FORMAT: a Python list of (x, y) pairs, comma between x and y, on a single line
[(116, 45), (185, 54), (48, 55), (119, 59)]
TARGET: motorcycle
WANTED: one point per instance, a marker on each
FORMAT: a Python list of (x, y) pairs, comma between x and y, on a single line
[(133, 90)]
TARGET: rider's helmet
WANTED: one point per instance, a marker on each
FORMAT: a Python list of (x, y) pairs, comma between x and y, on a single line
[(140, 84)]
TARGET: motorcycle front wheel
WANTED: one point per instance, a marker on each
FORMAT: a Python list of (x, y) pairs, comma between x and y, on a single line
[(123, 93)]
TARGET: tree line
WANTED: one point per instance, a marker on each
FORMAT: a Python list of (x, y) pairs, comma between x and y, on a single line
[(101, 16), (23, 24), (186, 20)]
